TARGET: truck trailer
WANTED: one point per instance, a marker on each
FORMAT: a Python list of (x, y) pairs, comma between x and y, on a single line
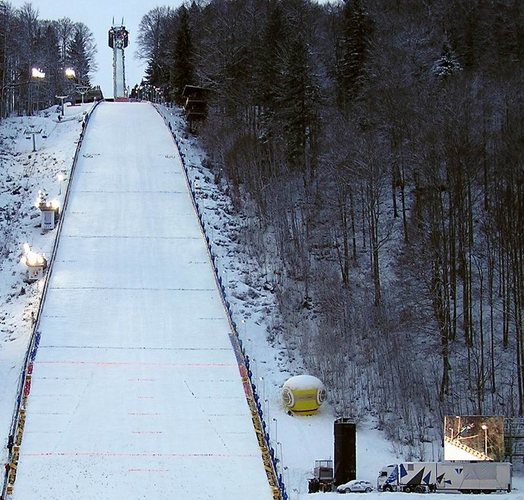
[(466, 477)]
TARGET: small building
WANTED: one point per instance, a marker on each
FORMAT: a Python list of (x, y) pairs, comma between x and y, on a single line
[(195, 104)]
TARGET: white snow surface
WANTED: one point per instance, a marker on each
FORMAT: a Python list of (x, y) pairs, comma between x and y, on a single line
[(136, 390), (132, 315)]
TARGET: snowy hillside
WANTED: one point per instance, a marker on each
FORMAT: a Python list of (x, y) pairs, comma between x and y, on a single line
[(23, 173), (298, 441)]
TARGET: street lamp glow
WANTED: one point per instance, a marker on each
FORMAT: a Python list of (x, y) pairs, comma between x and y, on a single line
[(70, 73), (32, 259), (37, 73)]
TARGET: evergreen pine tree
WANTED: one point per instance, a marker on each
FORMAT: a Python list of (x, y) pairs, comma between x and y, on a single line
[(3, 48), (49, 57), (298, 99), (182, 71), (447, 64), (352, 51), (268, 68), (80, 53)]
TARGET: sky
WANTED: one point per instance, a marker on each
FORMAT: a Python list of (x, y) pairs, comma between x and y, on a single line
[(98, 15)]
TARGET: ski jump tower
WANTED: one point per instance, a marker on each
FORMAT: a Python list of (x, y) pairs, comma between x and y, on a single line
[(118, 41)]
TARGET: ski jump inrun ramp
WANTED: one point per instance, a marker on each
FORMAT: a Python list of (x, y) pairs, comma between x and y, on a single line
[(136, 391)]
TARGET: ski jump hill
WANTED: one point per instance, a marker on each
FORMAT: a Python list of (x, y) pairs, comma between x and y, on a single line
[(135, 388)]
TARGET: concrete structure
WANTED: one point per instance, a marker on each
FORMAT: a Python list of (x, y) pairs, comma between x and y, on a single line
[(118, 40)]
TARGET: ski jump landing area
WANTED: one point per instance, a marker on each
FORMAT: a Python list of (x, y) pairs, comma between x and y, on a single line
[(136, 391)]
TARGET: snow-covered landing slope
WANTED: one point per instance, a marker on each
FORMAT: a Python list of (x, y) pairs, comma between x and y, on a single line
[(135, 391)]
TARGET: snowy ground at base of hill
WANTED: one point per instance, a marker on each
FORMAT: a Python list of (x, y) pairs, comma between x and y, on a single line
[(297, 441)]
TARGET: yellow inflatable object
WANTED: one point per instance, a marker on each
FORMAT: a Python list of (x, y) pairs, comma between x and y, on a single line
[(303, 394)]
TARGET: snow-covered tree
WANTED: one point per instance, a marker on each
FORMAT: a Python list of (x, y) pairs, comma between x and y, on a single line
[(447, 64)]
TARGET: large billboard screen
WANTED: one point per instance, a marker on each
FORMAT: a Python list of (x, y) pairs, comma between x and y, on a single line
[(474, 437)]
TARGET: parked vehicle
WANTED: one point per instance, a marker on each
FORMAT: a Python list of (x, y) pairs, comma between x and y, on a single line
[(466, 477), (355, 486), (323, 477)]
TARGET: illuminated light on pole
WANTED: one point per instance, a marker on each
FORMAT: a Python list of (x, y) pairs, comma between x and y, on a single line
[(35, 262), (38, 76), (70, 73), (49, 211), (37, 73), (31, 258)]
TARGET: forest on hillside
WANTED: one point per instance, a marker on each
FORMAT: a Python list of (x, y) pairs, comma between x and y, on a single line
[(375, 148), (41, 59)]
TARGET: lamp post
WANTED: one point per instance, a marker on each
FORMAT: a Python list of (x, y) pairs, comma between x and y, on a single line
[(485, 429), (276, 429), (70, 74), (253, 364), (37, 75), (279, 444), (263, 388)]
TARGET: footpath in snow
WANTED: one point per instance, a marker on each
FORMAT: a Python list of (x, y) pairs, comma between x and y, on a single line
[(136, 391)]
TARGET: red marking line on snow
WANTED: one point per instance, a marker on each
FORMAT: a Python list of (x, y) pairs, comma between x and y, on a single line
[(140, 414), (138, 455), (142, 379), (134, 363), (148, 470), (49, 413)]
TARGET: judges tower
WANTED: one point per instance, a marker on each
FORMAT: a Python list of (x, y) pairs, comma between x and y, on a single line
[(118, 41)]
